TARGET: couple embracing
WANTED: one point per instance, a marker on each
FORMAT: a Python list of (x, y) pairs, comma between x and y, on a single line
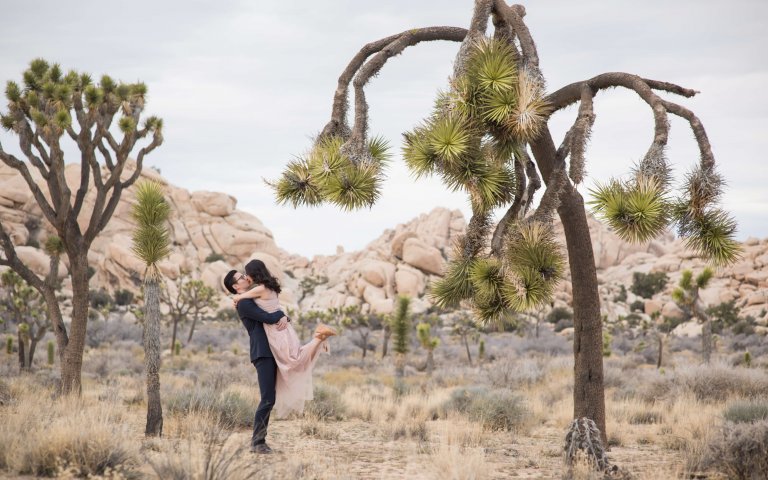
[(284, 366)]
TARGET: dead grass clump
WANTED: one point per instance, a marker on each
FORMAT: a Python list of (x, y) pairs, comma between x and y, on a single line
[(5, 394), (405, 429), (314, 428), (740, 451), (45, 438), (495, 409), (646, 417), (212, 456), (457, 463)]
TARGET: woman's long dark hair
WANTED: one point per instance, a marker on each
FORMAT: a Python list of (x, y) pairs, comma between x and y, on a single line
[(260, 275)]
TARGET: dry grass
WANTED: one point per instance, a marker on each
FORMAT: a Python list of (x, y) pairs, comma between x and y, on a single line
[(500, 420)]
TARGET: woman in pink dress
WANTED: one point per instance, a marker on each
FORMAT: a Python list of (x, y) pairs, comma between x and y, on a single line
[(295, 361)]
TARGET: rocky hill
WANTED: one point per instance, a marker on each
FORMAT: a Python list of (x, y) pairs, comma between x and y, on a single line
[(210, 235)]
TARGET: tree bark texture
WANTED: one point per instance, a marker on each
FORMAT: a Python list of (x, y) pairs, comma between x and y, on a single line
[(152, 315)]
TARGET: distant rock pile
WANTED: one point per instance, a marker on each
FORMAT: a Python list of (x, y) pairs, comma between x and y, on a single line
[(210, 236)]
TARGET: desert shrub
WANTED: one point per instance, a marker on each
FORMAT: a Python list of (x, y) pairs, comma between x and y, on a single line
[(123, 297), (327, 404), (229, 408), (214, 257), (745, 412), (99, 298), (708, 383), (559, 313), (726, 313), (100, 332), (495, 409), (622, 295), (718, 382), (740, 451), (647, 285), (548, 343), (117, 361), (512, 373), (637, 306), (745, 326)]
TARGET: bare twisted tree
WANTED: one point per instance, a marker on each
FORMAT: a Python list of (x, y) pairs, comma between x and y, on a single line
[(488, 136)]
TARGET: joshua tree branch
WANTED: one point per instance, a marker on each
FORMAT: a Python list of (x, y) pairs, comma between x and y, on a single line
[(337, 124)]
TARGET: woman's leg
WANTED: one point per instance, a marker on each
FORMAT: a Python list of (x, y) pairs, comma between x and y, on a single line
[(314, 346)]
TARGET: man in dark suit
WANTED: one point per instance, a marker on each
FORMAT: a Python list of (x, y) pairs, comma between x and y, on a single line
[(253, 319)]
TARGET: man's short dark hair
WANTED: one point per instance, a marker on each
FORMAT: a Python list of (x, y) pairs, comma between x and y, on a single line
[(229, 281)]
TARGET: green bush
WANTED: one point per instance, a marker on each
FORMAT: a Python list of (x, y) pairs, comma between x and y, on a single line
[(637, 306), (229, 408), (559, 313), (647, 285), (495, 409), (327, 404), (214, 257), (100, 298), (123, 297), (746, 412)]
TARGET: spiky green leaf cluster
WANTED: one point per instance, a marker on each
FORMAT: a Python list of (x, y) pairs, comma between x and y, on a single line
[(48, 97), (53, 246), (401, 325), (640, 209), (151, 241), (637, 211), (536, 263), (328, 174)]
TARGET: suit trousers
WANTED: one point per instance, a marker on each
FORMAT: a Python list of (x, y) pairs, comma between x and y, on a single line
[(266, 368)]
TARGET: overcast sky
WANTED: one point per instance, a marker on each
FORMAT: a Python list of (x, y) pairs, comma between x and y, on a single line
[(243, 86)]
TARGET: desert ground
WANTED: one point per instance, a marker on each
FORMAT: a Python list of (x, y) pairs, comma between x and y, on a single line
[(503, 417)]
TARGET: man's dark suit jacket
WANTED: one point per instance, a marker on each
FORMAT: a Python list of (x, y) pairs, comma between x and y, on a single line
[(254, 318)]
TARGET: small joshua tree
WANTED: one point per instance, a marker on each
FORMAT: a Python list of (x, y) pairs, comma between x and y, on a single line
[(465, 328), (24, 306), (151, 244), (401, 327), (687, 297), (428, 343)]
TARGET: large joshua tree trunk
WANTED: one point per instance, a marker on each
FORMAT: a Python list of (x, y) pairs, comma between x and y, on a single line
[(588, 392), (152, 359), (72, 363)]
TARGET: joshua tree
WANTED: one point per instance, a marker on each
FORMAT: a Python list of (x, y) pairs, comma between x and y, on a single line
[(190, 297), (23, 305), (401, 327), (151, 244), (428, 343), (362, 323), (201, 296), (686, 295), (50, 106), (479, 139), (464, 327)]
